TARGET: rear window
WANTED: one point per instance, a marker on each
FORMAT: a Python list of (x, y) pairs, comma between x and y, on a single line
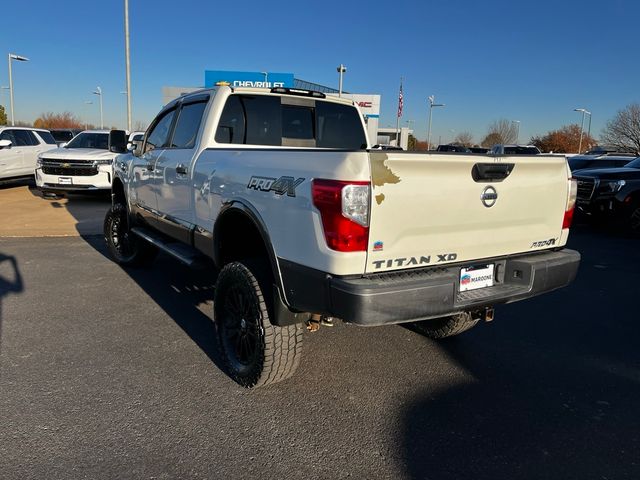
[(339, 126), (297, 122), (265, 120)]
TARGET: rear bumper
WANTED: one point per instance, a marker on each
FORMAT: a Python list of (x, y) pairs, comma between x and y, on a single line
[(398, 297)]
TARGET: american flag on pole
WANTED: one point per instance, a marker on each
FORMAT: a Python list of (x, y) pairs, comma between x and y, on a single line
[(400, 101)]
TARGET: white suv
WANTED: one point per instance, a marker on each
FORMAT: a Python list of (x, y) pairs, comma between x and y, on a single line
[(83, 164), (19, 150)]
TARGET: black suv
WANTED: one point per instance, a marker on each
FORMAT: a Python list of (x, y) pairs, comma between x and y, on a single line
[(611, 193), (453, 148)]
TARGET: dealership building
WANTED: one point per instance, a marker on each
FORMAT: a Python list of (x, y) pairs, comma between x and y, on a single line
[(369, 103)]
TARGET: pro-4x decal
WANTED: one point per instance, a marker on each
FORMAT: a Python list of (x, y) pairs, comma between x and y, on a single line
[(280, 185)]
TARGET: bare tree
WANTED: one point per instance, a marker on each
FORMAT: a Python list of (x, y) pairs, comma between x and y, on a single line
[(623, 131), (464, 138), (503, 129), (492, 139)]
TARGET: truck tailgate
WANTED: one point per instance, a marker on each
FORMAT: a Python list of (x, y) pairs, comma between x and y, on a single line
[(434, 209)]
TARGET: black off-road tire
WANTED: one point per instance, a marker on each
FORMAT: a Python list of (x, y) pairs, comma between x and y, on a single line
[(255, 352), (446, 326), (125, 248)]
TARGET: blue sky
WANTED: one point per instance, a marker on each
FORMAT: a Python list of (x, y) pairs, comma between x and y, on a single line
[(528, 61)]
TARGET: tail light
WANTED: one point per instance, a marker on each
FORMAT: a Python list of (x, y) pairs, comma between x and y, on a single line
[(571, 203), (344, 209)]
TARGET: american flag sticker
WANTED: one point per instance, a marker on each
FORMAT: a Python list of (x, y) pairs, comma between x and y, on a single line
[(378, 246)]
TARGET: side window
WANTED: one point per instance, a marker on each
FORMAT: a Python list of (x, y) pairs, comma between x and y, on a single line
[(188, 125), (46, 137), (231, 126), (24, 138), (159, 133), (8, 135), (32, 138)]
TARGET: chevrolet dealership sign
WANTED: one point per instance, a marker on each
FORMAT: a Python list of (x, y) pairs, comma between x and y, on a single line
[(214, 78)]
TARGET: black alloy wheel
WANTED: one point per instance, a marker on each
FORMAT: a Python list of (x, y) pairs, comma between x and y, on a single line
[(125, 248), (255, 351)]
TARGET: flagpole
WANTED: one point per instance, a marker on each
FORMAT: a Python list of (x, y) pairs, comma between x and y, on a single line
[(400, 100)]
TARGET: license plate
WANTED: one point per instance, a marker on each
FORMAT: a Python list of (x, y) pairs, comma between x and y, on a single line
[(65, 180), (472, 278)]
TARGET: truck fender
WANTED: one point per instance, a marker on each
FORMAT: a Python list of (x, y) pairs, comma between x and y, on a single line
[(283, 315)]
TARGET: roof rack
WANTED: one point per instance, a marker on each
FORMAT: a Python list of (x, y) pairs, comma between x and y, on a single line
[(298, 91)]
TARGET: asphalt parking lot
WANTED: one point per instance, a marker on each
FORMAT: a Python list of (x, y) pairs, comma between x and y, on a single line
[(112, 373)]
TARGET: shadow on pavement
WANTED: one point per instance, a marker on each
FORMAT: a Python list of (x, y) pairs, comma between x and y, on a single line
[(10, 282), (184, 294), (87, 208), (556, 384)]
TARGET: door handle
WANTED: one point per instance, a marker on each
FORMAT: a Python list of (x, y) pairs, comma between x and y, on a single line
[(181, 169)]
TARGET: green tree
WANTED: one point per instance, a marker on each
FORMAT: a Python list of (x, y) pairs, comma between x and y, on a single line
[(3, 116)]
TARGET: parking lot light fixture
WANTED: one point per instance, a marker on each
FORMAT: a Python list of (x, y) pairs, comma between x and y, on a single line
[(432, 99), (19, 58), (98, 91), (341, 70), (584, 112), (517, 122), (127, 60)]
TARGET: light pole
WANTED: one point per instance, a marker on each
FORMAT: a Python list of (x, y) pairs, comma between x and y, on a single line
[(128, 65), (4, 103), (98, 92), (266, 79), (584, 111), (517, 122), (341, 70), (19, 58), (86, 123), (432, 99)]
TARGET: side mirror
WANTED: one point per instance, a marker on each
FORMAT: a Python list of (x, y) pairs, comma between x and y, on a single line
[(5, 143), (118, 141), (136, 147), (63, 145)]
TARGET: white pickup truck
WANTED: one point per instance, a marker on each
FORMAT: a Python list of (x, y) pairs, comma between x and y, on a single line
[(280, 189)]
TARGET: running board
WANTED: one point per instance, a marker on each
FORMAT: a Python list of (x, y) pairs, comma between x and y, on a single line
[(184, 253)]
